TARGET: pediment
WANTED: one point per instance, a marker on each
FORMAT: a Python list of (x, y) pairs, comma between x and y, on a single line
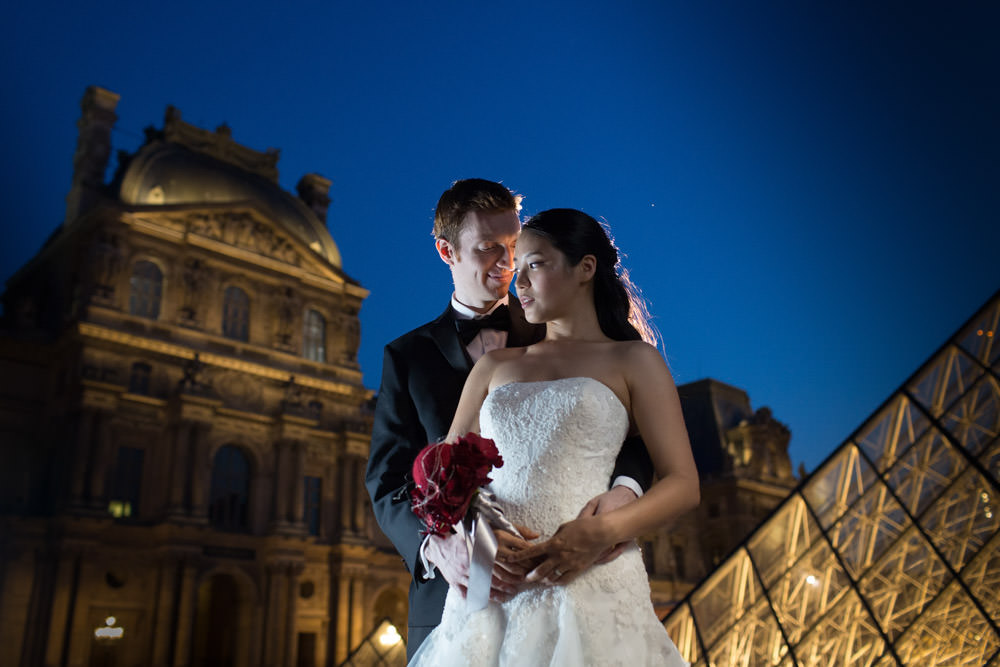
[(242, 232)]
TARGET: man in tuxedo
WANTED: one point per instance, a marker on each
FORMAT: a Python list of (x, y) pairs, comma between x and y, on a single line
[(476, 226)]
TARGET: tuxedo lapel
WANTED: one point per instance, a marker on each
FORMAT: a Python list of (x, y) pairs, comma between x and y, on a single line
[(443, 332)]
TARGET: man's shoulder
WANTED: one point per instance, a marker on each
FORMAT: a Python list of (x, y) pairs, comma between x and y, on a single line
[(419, 335)]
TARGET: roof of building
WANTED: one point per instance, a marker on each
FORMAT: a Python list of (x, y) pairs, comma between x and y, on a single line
[(186, 165)]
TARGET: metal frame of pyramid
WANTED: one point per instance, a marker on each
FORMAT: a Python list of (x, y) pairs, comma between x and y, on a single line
[(889, 553)]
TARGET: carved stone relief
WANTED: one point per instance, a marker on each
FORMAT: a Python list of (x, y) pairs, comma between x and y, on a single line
[(242, 230), (240, 392)]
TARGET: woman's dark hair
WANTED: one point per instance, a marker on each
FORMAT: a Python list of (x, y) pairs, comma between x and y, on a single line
[(621, 312)]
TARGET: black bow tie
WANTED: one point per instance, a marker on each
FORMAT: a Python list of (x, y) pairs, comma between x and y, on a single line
[(499, 319)]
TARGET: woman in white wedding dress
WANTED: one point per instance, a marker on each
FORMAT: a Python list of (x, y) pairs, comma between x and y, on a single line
[(558, 412)]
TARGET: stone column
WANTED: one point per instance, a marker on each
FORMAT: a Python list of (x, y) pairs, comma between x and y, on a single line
[(102, 456), (201, 467), (358, 629), (297, 487), (280, 492), (359, 495), (163, 613), (185, 616), (345, 494), (65, 582), (343, 646), (81, 456), (291, 645), (179, 468), (275, 619)]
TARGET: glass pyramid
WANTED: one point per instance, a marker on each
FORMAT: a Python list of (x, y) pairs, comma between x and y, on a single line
[(889, 553)]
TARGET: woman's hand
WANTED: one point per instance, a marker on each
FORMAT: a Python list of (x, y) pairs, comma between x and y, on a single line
[(576, 546)]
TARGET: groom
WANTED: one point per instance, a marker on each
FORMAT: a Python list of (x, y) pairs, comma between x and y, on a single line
[(476, 226)]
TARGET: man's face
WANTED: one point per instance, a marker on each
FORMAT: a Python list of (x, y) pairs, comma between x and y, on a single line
[(482, 261)]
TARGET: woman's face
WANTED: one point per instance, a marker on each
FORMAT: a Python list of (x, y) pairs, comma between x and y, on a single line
[(545, 284)]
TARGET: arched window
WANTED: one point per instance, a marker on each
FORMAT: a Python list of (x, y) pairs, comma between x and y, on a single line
[(146, 287), (314, 336), (138, 381), (230, 489), (236, 314)]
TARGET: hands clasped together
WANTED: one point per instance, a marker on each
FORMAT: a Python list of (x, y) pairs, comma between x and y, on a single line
[(575, 547)]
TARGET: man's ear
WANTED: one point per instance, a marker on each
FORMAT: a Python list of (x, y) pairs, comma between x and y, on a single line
[(446, 251), (587, 267)]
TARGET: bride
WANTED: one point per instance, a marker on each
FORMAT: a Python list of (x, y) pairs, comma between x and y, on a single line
[(558, 412)]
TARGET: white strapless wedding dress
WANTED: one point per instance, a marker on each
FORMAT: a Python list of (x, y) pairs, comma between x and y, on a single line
[(559, 440)]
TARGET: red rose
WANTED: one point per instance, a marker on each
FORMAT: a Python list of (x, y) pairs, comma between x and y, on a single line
[(447, 476)]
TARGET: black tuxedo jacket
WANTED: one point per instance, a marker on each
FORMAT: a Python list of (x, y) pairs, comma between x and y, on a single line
[(423, 373)]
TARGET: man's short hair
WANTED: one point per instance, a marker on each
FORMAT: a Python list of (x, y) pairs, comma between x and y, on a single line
[(470, 194)]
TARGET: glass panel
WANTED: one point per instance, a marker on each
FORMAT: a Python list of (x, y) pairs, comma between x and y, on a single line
[(146, 285), (782, 540), (974, 420), (947, 376), (832, 489), (951, 632), (236, 314), (963, 519), (870, 527), (755, 640), (809, 589), (982, 576), (887, 435), (925, 470), (314, 335), (723, 598), (681, 628), (980, 338), (845, 636), (900, 585)]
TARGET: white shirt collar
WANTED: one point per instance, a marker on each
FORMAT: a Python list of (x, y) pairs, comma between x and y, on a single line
[(466, 313)]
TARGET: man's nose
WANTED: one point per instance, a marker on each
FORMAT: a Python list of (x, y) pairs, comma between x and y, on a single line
[(506, 260)]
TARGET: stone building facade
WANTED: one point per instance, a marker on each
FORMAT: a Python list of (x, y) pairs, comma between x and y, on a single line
[(183, 425), (745, 472)]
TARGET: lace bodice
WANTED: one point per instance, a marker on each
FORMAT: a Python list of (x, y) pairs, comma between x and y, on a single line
[(559, 440)]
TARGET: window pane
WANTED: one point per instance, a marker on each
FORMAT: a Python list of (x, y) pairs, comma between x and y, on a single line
[(311, 506), (126, 485), (236, 314), (230, 489), (314, 336), (146, 286)]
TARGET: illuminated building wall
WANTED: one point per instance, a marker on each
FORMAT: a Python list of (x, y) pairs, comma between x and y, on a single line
[(745, 472), (889, 553), (183, 426)]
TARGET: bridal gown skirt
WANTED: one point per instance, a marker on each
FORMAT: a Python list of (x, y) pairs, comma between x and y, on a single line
[(559, 440)]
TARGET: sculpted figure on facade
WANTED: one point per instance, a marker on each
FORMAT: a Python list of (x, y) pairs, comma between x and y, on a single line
[(286, 305), (105, 260), (195, 276)]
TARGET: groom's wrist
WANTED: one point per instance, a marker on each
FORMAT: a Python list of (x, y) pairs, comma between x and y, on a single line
[(628, 483)]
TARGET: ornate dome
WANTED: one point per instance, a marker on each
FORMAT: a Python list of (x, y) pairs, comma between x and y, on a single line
[(187, 165)]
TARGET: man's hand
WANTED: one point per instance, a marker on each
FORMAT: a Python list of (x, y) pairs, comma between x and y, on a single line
[(612, 499), (451, 556), (571, 551)]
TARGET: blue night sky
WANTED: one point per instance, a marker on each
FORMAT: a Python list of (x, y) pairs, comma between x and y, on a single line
[(806, 192)]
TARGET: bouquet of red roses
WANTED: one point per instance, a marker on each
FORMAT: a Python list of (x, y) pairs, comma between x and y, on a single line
[(446, 478)]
